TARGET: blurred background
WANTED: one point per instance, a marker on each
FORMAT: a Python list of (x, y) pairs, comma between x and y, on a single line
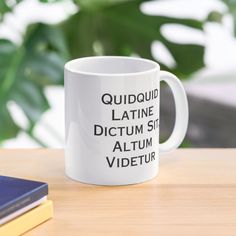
[(193, 39)]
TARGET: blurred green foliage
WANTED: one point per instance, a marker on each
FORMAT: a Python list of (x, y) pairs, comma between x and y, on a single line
[(101, 27), (232, 10)]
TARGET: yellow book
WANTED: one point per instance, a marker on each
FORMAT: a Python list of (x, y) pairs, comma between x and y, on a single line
[(28, 220)]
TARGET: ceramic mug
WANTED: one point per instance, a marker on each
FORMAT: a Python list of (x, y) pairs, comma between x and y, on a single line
[(112, 119)]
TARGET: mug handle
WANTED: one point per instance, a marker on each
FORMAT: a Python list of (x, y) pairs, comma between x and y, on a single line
[(181, 111)]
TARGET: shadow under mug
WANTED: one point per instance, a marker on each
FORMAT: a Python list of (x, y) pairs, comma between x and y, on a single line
[(112, 119)]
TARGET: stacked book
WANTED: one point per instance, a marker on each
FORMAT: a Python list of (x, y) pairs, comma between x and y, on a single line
[(23, 205)]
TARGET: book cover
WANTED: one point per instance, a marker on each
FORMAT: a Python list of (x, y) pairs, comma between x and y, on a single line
[(22, 210), (17, 193), (28, 220)]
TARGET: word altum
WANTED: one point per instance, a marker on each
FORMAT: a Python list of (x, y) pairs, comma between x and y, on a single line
[(132, 161), (133, 145)]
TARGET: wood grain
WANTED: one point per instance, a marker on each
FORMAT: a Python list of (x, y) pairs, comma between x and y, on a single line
[(194, 194)]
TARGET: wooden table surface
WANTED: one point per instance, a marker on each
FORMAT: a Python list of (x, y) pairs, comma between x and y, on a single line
[(194, 194)]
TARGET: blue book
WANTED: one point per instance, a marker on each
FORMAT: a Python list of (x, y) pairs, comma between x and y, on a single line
[(16, 194)]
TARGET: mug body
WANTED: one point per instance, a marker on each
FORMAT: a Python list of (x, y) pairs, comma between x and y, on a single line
[(112, 120)]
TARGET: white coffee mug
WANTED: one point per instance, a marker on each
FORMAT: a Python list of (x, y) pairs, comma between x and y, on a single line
[(112, 119)]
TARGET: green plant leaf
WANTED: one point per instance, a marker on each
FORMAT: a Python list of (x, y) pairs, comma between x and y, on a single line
[(4, 7), (8, 128), (122, 29), (7, 6), (91, 5), (26, 70)]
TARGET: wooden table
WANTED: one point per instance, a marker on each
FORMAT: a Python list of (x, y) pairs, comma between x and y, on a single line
[(194, 194)]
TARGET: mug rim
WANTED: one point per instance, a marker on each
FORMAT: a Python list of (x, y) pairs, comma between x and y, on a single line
[(155, 66)]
